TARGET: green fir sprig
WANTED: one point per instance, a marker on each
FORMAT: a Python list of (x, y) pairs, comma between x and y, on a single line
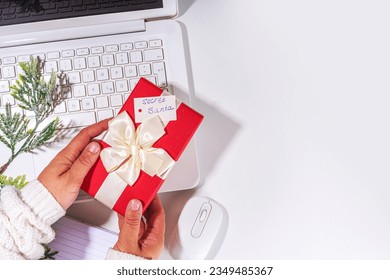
[(20, 133), (19, 182), (49, 253)]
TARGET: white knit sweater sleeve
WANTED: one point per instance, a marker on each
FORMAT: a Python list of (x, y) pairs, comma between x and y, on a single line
[(116, 255), (25, 221)]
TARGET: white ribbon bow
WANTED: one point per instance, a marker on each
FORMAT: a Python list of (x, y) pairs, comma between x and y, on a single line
[(131, 150)]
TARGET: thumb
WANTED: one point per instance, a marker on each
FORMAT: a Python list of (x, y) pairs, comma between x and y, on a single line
[(128, 235), (84, 162)]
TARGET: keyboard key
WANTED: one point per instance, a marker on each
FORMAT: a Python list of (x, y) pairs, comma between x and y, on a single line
[(47, 78), (136, 56), (112, 48), (87, 104), (97, 50), (105, 114), (107, 87), (101, 102), (9, 72), (116, 73), (60, 108), (9, 60), (93, 89), (79, 63), (141, 45), (73, 105), (88, 76), (41, 56), (23, 58), (29, 114), (155, 43), (122, 58), (67, 53), (151, 79), (78, 91), (65, 65), (108, 60), (19, 69), (152, 55), (130, 71), (82, 51), (102, 74), (17, 109), (121, 86), (159, 70), (13, 82), (93, 61), (126, 47), (53, 55), (72, 120), (144, 69), (51, 66), (133, 83), (74, 77), (116, 100), (7, 98), (68, 94)]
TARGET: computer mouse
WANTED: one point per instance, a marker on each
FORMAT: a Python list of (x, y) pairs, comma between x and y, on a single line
[(200, 230)]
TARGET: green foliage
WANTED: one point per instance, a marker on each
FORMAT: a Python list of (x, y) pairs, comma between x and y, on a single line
[(13, 128), (18, 182), (49, 254), (32, 93), (22, 134)]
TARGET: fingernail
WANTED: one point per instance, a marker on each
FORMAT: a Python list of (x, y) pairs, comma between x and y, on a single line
[(134, 205), (94, 148)]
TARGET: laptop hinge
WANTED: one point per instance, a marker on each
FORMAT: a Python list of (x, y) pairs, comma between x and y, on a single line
[(59, 34)]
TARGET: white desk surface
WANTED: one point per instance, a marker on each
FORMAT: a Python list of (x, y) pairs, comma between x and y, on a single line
[(295, 142)]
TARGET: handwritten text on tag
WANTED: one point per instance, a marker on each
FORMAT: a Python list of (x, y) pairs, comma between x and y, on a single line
[(164, 106)]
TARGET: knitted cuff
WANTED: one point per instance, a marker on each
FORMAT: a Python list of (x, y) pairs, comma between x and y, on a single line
[(116, 255), (42, 202)]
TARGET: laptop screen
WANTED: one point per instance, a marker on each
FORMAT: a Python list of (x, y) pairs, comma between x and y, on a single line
[(26, 11)]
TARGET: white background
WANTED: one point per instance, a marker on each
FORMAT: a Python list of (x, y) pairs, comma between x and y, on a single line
[(295, 142)]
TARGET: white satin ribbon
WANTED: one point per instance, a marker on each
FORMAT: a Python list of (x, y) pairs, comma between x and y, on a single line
[(131, 150)]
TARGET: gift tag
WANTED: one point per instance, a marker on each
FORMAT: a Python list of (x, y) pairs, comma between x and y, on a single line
[(164, 106)]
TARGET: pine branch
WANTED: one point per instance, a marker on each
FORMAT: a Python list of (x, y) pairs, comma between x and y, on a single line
[(34, 94), (13, 127), (19, 182), (49, 254)]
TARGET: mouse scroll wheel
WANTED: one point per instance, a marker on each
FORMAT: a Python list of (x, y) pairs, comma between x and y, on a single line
[(203, 215)]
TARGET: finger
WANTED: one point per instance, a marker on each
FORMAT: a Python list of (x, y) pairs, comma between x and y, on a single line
[(120, 221), (76, 146), (156, 219), (83, 163), (128, 235), (153, 239)]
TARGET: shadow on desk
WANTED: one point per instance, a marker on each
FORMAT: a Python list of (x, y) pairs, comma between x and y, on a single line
[(215, 134), (212, 139)]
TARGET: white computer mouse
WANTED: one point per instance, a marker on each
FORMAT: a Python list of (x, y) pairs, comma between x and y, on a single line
[(200, 230)]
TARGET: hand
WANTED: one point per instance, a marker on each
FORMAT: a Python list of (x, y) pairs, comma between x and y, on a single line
[(65, 173), (134, 238)]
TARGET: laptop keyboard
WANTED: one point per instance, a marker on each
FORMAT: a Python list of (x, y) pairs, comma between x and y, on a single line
[(101, 77), (16, 12)]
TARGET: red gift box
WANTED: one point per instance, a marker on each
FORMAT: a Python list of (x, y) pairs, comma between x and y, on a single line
[(177, 136)]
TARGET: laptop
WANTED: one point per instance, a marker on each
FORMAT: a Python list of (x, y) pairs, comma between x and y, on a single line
[(103, 47)]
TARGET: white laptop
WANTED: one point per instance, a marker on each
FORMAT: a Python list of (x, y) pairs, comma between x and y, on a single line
[(103, 46)]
